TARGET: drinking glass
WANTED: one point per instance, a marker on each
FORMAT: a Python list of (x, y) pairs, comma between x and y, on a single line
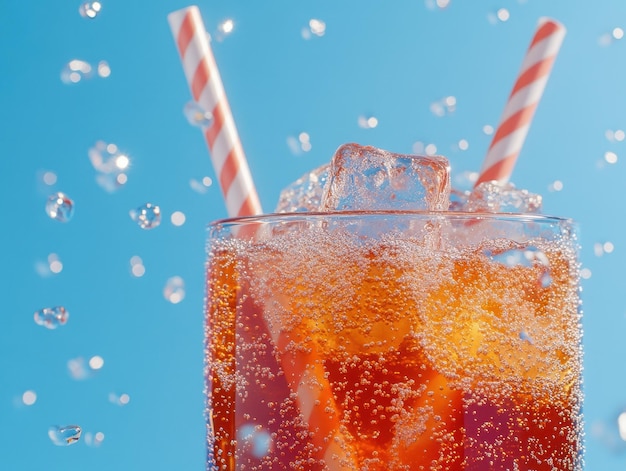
[(393, 340)]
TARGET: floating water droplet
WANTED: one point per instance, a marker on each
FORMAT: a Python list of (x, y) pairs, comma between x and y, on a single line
[(463, 144), (137, 267), (60, 207), (255, 440), (104, 70), (52, 317), (64, 436), (556, 185), (178, 218), (197, 116), (174, 290), (29, 398), (367, 122), (147, 216), (200, 186), (444, 106), (90, 9), (119, 399), (76, 70), (94, 439), (80, 369)]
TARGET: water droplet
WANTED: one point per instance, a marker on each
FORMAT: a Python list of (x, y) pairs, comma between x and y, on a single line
[(444, 106), (104, 70), (610, 157), (89, 9), (64, 436), (147, 216), (227, 26), (52, 317), (49, 178), (94, 439), (137, 267), (174, 290), (200, 186), (463, 144), (585, 273), (178, 218), (29, 398), (119, 399), (430, 149), (299, 144), (488, 129), (556, 185), (255, 440), (80, 369), (197, 116), (96, 362), (60, 207), (318, 27), (76, 70), (367, 122)]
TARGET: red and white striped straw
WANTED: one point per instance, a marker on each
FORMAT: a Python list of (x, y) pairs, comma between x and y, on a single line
[(519, 110), (206, 86), (304, 372)]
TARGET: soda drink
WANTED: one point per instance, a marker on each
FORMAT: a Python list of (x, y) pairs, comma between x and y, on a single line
[(393, 340)]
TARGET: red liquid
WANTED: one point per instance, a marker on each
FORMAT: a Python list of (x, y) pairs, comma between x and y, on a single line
[(434, 362)]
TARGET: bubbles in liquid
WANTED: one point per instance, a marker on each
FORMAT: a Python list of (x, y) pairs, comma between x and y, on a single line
[(52, 317), (255, 440), (147, 216), (60, 207), (197, 116), (90, 9), (174, 290), (64, 436)]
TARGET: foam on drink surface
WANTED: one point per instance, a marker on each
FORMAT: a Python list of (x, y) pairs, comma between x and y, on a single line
[(437, 359)]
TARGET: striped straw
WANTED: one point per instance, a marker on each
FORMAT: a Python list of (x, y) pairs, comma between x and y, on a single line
[(519, 110), (304, 371), (207, 90)]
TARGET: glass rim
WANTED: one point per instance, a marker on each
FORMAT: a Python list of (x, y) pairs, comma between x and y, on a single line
[(418, 214)]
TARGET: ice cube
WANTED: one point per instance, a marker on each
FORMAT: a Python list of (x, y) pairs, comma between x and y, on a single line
[(493, 197), (364, 177), (305, 193)]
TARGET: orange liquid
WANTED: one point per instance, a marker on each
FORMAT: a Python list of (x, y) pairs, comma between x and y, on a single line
[(435, 361)]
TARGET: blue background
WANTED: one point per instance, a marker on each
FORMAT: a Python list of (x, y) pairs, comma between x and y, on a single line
[(390, 60)]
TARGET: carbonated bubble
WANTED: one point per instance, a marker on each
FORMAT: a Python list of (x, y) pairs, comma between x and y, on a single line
[(60, 207), (174, 290), (52, 317), (197, 116), (89, 9), (64, 436), (147, 216)]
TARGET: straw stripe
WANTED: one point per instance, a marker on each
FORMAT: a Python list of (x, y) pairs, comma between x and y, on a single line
[(304, 372), (207, 90), (520, 108)]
